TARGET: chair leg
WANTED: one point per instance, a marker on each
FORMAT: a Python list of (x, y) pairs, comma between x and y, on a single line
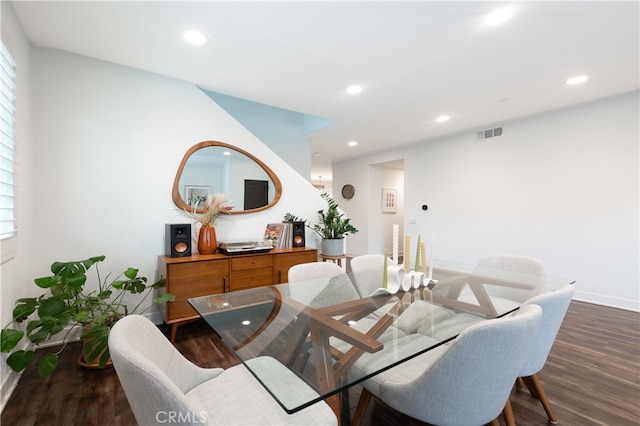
[(363, 403), (537, 390), (507, 412), (530, 386)]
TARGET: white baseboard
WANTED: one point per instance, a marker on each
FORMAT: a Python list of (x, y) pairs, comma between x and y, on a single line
[(614, 302), (9, 384)]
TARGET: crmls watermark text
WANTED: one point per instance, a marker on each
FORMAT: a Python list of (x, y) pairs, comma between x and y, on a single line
[(173, 417)]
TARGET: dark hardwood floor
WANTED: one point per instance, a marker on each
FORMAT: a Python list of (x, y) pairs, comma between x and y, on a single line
[(592, 377)]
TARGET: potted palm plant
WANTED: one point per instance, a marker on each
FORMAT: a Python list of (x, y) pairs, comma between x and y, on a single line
[(332, 226), (67, 305)]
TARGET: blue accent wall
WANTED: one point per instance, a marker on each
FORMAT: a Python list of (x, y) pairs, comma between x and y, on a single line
[(284, 131)]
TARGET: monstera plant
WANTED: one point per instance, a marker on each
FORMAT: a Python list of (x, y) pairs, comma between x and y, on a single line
[(68, 304)]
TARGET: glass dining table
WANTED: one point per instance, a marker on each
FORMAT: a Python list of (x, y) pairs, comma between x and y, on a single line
[(319, 328)]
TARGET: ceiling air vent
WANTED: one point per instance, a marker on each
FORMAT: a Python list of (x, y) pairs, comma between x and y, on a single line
[(489, 133)]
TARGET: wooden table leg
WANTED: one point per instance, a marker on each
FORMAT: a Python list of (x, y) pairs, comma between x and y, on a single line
[(336, 406), (324, 370)]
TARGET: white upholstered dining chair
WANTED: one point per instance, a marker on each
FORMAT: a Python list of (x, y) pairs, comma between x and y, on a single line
[(366, 267), (503, 297), (554, 308), (465, 383), (163, 387), (308, 283), (313, 270), (496, 264)]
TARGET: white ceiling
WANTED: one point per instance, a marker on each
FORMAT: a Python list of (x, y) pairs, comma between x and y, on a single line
[(414, 60)]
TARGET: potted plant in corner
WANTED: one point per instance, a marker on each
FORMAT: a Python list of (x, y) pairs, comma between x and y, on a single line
[(66, 305), (332, 226)]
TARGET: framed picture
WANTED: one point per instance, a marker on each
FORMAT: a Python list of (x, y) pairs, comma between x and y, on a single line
[(389, 200), (196, 195)]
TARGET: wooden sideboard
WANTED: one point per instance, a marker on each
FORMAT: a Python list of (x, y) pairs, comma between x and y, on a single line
[(201, 275)]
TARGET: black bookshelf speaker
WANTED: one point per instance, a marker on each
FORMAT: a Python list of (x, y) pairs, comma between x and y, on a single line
[(178, 239), (297, 237)]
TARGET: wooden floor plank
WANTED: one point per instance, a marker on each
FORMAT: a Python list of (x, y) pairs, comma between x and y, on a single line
[(592, 377)]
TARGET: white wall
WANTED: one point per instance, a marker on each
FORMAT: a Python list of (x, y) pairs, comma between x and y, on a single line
[(108, 143), (562, 187)]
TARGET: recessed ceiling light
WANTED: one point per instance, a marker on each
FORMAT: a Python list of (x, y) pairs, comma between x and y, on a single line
[(498, 16), (352, 143), (195, 37), (354, 90), (443, 118), (227, 153), (579, 79)]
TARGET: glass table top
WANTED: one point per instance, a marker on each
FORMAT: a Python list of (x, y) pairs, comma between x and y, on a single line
[(319, 329)]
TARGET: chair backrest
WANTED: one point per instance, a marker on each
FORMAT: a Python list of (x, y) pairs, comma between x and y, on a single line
[(471, 382), (506, 263), (153, 374), (313, 270), (320, 284), (554, 307), (367, 272)]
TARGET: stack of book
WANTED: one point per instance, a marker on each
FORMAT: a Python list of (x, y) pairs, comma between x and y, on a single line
[(279, 234)]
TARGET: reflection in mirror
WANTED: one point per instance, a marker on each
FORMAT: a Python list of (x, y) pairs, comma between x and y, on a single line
[(213, 167)]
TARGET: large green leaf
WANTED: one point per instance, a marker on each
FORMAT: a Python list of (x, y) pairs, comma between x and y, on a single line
[(96, 344), (135, 286), (73, 274), (67, 269), (52, 307), (24, 308), (19, 360), (9, 338), (41, 329), (47, 365), (92, 260), (76, 282), (131, 273), (47, 282)]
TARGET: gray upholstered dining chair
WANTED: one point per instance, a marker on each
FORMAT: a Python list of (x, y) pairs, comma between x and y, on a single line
[(503, 297), (308, 284), (366, 267), (465, 383), (320, 284), (312, 270), (496, 264), (554, 308), (163, 387)]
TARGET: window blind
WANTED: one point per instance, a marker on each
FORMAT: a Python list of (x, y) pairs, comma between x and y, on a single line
[(7, 144)]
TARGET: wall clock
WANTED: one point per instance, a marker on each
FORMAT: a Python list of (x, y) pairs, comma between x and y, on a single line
[(348, 191)]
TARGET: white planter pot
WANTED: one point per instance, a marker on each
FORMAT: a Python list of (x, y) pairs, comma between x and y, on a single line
[(332, 247)]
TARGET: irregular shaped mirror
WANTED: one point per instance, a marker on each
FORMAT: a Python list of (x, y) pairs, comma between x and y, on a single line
[(213, 167)]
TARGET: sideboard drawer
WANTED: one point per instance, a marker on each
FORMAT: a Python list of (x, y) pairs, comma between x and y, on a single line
[(252, 262), (249, 278)]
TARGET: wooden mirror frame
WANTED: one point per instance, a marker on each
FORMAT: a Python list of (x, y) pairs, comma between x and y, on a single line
[(181, 203)]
